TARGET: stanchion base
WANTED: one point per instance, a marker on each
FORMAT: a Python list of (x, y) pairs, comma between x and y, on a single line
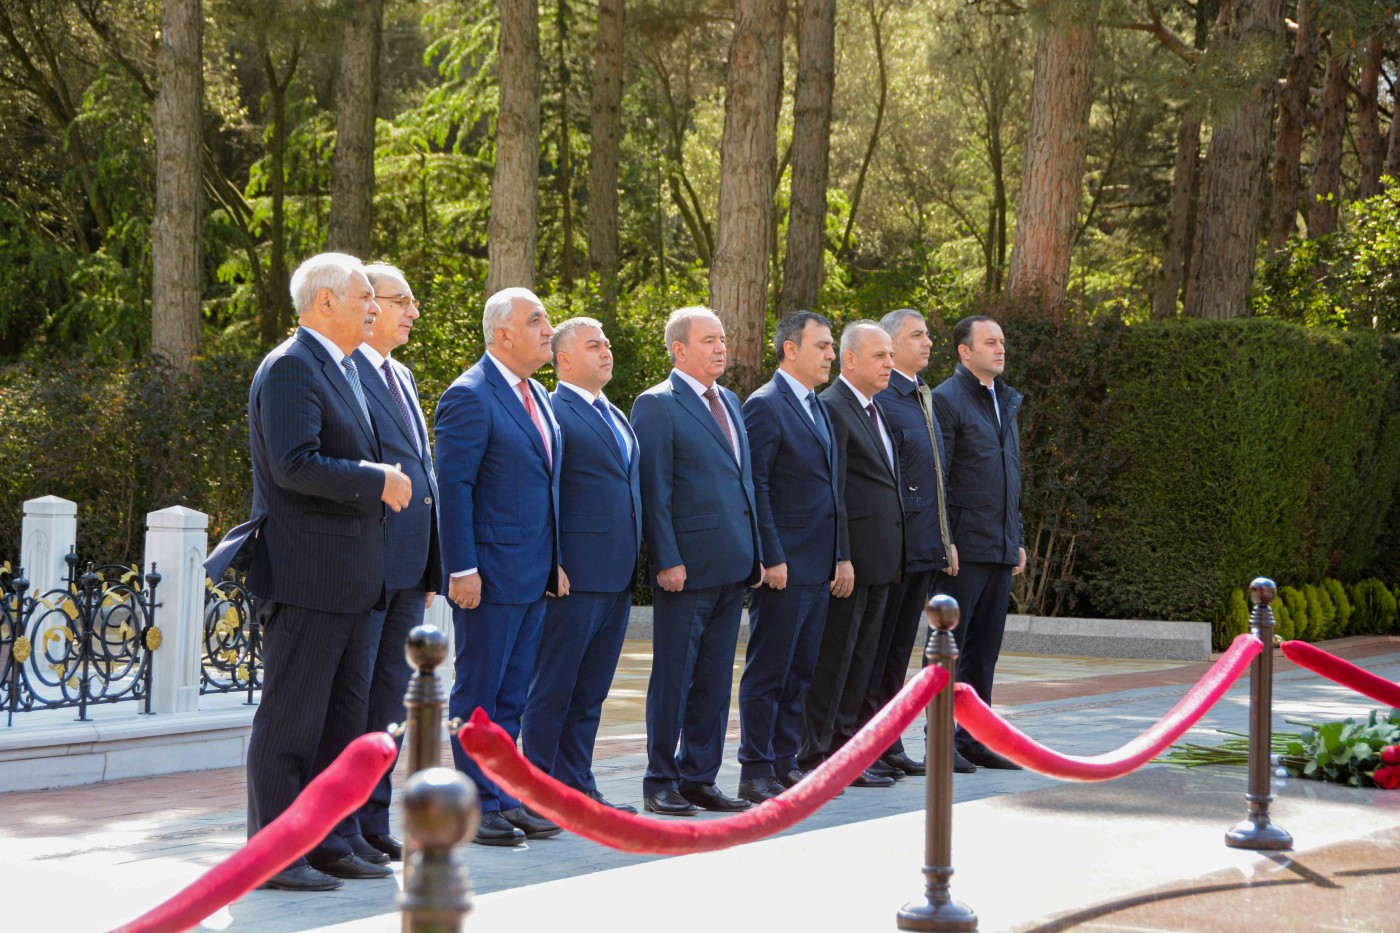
[(1249, 834), (944, 917)]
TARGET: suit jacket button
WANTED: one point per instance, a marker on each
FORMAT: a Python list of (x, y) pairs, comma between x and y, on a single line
[(427, 500)]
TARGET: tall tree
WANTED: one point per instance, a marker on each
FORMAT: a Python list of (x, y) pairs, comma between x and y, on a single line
[(562, 23), (811, 143), (748, 162), (176, 229), (1232, 187), (1324, 197), (605, 134), (515, 183), (1370, 145), (1285, 176), (356, 103), (1062, 93)]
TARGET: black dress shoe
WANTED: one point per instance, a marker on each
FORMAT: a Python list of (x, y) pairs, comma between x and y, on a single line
[(791, 778), (355, 868), (363, 850), (387, 844), (904, 763), (760, 790), (597, 796), (302, 878), (986, 758), (880, 769), (961, 765), (669, 803), (710, 797), (866, 779), (495, 831), (532, 825)]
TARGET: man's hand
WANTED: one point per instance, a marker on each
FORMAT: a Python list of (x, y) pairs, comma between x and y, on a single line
[(672, 579), (844, 583), (952, 568), (465, 591), (398, 488), (1021, 552), (428, 599), (776, 576), (563, 586)]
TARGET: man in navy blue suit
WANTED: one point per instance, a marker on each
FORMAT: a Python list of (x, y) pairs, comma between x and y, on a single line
[(600, 532), (701, 530), (412, 566), (794, 484), (312, 548), (498, 456)]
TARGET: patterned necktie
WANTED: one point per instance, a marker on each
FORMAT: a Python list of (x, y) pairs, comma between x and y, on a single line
[(602, 408), (926, 403), (814, 409), (352, 375), (717, 409), (528, 398), (393, 384)]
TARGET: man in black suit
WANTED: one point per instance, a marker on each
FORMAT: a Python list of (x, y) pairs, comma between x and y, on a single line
[(794, 483), (315, 547), (600, 532), (871, 534), (976, 412), (412, 567), (927, 546)]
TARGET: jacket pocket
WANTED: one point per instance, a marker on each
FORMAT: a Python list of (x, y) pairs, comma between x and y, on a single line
[(700, 521), (970, 499), (853, 514), (584, 524), (791, 519), (330, 523), (498, 533)]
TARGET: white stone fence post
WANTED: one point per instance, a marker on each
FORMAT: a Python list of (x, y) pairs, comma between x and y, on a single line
[(48, 531), (177, 540)]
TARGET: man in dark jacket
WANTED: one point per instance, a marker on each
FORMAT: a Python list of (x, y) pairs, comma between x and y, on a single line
[(976, 413)]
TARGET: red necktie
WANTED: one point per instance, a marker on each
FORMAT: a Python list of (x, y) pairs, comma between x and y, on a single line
[(717, 409), (528, 398)]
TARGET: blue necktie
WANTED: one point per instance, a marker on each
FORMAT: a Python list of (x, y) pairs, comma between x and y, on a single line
[(817, 421), (602, 407), (352, 376)]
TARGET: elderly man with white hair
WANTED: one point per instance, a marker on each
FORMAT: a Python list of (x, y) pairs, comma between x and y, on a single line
[(498, 457)]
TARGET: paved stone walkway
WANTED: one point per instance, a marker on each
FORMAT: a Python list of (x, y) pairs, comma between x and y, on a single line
[(87, 858)]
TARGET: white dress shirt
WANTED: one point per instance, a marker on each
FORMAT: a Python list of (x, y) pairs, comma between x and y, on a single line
[(589, 398), (879, 419), (700, 390)]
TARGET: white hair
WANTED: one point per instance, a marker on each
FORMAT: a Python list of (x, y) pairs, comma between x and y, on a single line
[(375, 271), (855, 334), (324, 270), (678, 324), (498, 308)]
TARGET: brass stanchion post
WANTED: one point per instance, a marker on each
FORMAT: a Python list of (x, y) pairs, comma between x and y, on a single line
[(1256, 831), (937, 910), (440, 809), (424, 702)]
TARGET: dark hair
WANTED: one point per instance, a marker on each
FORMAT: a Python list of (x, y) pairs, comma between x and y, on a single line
[(791, 327), (962, 333)]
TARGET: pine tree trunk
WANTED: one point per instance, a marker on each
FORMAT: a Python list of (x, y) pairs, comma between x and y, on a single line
[(277, 303), (811, 143), (356, 101), (566, 160), (605, 132), (1180, 217), (748, 161), (1061, 95), (176, 231), (1370, 146), (1325, 196), (515, 184), (1232, 188), (1292, 120)]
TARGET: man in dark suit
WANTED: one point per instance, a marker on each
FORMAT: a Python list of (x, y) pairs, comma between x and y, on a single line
[(927, 546), (600, 532), (794, 484), (313, 547), (701, 531), (412, 565), (976, 412), (498, 455), (871, 525)]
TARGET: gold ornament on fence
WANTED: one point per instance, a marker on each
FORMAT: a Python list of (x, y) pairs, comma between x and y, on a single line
[(152, 638), (22, 649)]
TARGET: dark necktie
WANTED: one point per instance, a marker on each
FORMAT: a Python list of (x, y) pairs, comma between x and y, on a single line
[(352, 375), (814, 409), (875, 420), (408, 421), (926, 403), (717, 409), (602, 407), (528, 398)]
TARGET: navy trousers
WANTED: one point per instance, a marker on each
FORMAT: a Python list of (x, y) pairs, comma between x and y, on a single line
[(844, 661), (983, 592), (315, 690), (904, 619), (583, 634), (496, 647), (692, 672), (785, 631)]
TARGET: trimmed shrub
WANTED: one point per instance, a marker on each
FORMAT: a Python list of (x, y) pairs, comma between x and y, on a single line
[(1322, 614), (1233, 621), (1374, 608), (1342, 604), (1283, 619), (1297, 605)]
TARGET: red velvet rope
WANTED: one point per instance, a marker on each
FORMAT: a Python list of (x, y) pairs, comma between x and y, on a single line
[(1005, 739), (334, 794), (495, 751), (1343, 672)]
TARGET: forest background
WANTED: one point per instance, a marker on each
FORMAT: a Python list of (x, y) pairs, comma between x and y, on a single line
[(1183, 213)]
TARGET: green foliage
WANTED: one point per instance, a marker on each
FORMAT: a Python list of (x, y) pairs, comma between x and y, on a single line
[(1343, 752), (1298, 615), (1283, 619), (1374, 608), (1322, 615), (1233, 621), (1342, 604)]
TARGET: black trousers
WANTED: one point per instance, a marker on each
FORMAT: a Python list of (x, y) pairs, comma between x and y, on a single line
[(983, 592), (904, 619), (844, 662)]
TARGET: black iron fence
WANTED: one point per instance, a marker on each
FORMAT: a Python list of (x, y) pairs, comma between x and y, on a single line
[(86, 643), (232, 657)]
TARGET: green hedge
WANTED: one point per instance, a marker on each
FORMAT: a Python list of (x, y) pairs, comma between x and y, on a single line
[(1330, 609)]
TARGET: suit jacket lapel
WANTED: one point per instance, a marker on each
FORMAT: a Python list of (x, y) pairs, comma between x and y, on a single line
[(510, 400), (800, 406), (873, 435), (336, 377), (701, 411), (593, 418), (374, 387)]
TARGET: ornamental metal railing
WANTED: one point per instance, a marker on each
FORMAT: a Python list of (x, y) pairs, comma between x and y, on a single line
[(231, 660), (86, 643)]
